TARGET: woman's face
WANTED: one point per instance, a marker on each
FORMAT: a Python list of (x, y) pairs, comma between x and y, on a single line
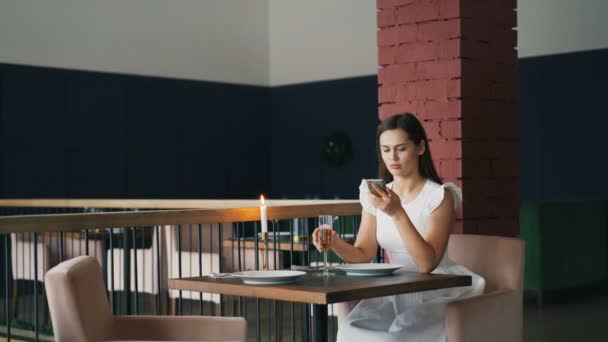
[(399, 153)]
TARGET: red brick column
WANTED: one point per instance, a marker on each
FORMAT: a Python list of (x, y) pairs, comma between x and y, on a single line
[(453, 64)]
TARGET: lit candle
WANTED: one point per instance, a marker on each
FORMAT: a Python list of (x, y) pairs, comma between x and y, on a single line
[(263, 216)]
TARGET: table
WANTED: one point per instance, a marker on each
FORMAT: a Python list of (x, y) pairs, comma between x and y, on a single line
[(321, 291)]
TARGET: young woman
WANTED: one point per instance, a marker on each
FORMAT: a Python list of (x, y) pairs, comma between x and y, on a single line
[(412, 220)]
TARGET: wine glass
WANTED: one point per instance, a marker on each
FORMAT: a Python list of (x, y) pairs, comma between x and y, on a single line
[(326, 239)]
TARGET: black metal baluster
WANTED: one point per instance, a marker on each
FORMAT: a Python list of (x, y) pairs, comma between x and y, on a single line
[(43, 290), (306, 325), (200, 265), (142, 244), (29, 253), (274, 254), (179, 261), (158, 265), (220, 232), (234, 227), (257, 267), (72, 251), (36, 322), (274, 242), (7, 308), (61, 244), (86, 241), (126, 270), (243, 228), (135, 273), (293, 306), (111, 233), (190, 263), (238, 241), (211, 265), (317, 254)]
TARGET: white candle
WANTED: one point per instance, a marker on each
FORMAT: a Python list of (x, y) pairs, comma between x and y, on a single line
[(263, 216)]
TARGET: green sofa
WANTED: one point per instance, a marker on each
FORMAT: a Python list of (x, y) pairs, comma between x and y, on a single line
[(566, 244)]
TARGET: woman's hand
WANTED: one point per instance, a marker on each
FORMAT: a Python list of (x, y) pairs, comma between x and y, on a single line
[(386, 200), (316, 240)]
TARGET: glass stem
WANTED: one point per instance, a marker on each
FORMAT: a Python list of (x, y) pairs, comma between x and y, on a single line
[(326, 268)]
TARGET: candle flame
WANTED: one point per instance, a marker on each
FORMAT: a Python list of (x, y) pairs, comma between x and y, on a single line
[(262, 199)]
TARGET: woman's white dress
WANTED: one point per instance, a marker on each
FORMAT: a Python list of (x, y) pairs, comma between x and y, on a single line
[(416, 316)]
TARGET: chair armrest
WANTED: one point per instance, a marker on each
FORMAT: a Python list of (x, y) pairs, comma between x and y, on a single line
[(495, 316), (179, 328)]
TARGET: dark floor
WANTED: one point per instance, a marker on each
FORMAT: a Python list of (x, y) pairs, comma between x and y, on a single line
[(572, 316), (581, 317)]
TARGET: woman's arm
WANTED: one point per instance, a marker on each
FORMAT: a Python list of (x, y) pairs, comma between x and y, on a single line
[(427, 250), (365, 247)]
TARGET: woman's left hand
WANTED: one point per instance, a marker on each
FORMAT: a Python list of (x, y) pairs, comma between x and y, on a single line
[(386, 200)]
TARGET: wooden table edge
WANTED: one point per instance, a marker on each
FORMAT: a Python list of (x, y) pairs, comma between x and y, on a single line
[(234, 287)]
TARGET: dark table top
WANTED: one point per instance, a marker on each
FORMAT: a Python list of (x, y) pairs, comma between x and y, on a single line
[(325, 290)]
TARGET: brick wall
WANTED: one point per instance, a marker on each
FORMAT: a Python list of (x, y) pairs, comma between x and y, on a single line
[(453, 64)]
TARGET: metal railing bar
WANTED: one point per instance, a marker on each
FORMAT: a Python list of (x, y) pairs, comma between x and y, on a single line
[(61, 247), (86, 241), (240, 265), (142, 240), (126, 270), (190, 263), (36, 322), (158, 271), (274, 242), (179, 263), (7, 308), (135, 273), (200, 266), (234, 227), (111, 233), (220, 232), (293, 307), (212, 304)]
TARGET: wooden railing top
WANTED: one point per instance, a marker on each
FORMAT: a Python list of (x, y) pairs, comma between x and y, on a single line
[(216, 211), (157, 203)]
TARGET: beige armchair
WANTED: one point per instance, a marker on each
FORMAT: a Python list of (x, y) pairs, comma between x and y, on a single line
[(497, 315), (80, 312)]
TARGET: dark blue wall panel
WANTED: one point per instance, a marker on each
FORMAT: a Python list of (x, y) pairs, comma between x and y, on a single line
[(33, 134), (97, 140), (305, 113), (81, 134), (86, 134), (563, 118)]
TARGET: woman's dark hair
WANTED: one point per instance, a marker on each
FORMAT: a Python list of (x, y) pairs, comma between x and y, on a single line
[(410, 124)]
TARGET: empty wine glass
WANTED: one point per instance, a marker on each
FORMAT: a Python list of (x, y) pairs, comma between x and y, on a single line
[(326, 239)]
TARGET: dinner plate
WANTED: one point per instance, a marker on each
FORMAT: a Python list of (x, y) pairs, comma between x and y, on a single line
[(269, 277), (280, 235), (369, 269)]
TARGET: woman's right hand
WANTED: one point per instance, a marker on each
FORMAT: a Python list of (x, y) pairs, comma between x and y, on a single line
[(316, 239)]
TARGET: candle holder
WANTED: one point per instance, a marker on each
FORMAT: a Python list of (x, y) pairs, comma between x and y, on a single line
[(265, 251)]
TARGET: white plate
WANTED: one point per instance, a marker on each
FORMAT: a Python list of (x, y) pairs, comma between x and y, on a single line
[(269, 277), (280, 235), (369, 269)]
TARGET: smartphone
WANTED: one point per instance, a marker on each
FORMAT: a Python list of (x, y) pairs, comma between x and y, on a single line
[(379, 182)]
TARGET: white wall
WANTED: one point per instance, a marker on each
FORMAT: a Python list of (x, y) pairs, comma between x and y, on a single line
[(237, 41), (216, 40), (549, 27), (314, 40), (260, 42)]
